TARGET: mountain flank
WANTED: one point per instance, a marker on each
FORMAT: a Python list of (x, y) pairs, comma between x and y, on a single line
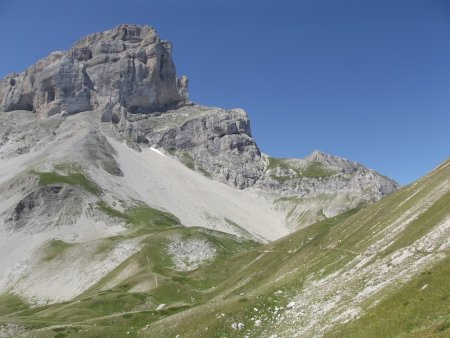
[(126, 209)]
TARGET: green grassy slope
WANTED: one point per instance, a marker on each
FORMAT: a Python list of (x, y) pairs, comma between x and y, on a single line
[(306, 169), (420, 308), (379, 271), (324, 250)]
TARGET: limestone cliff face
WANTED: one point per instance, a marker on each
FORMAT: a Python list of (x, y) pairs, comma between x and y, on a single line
[(128, 67), (216, 142)]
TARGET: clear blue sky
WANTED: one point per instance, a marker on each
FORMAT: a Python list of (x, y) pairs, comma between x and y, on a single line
[(368, 80)]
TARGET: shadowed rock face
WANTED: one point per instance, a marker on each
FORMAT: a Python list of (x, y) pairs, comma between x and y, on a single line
[(46, 206), (128, 67)]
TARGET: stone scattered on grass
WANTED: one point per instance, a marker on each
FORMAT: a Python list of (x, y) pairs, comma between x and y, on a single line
[(189, 254), (237, 326), (160, 307)]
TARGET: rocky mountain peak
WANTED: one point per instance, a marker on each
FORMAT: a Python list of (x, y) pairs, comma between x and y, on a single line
[(334, 161), (128, 68), (318, 156)]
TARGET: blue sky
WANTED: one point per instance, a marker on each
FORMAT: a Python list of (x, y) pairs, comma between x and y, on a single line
[(368, 80)]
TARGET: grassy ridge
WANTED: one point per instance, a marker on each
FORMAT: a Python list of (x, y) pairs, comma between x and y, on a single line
[(73, 178), (310, 170)]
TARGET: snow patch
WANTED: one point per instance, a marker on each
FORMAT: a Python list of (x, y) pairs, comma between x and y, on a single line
[(157, 151)]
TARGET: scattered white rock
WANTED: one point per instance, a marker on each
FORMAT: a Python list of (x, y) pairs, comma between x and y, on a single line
[(11, 330), (189, 254), (290, 306), (237, 326), (160, 307), (257, 322)]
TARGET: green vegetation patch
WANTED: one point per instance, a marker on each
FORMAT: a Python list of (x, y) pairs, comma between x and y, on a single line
[(10, 303), (241, 230), (187, 160), (204, 172), (144, 215), (73, 178), (111, 211), (311, 169), (68, 167), (141, 217), (117, 300), (54, 248)]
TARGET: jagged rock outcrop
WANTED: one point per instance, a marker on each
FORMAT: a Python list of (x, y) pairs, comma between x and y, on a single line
[(46, 206), (128, 67), (324, 174), (320, 186), (213, 141)]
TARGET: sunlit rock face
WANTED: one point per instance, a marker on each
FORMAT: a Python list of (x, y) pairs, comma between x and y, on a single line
[(128, 67)]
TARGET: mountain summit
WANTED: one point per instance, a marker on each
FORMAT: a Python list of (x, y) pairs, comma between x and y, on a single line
[(127, 68)]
